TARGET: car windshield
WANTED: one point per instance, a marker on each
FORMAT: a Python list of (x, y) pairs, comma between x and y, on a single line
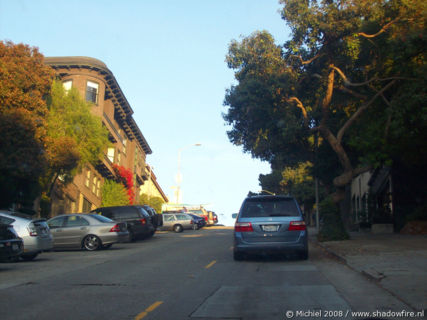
[(101, 218), (269, 207)]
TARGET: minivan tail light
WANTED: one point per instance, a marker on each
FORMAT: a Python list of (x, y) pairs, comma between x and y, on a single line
[(297, 226), (32, 230), (116, 228), (243, 227)]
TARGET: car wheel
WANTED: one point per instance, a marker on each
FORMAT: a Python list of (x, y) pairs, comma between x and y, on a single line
[(178, 228), (303, 255), (29, 257), (238, 256), (92, 243)]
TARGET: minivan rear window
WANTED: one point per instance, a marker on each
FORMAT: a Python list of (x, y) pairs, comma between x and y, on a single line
[(269, 207)]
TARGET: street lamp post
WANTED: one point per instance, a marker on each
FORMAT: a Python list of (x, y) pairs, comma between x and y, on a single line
[(178, 176)]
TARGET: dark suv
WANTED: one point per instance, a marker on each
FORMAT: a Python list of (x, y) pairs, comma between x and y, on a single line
[(137, 219), (270, 224)]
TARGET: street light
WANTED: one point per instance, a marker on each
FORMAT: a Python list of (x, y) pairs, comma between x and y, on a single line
[(178, 176)]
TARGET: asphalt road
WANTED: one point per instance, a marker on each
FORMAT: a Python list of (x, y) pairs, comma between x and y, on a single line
[(190, 275)]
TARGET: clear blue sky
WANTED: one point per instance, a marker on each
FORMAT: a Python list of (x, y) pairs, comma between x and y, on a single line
[(168, 58)]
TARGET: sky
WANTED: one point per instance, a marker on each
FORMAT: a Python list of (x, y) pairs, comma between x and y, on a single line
[(169, 60)]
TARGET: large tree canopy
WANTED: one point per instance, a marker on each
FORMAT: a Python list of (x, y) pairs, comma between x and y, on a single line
[(24, 85), (352, 73)]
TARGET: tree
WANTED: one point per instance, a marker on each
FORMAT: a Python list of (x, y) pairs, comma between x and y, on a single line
[(75, 138), (24, 85), (340, 63), (70, 116), (156, 203)]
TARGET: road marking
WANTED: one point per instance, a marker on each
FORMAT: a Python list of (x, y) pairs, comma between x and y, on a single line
[(149, 309), (210, 264), (192, 236)]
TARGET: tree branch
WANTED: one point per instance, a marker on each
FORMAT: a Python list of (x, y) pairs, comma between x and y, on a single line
[(328, 97), (347, 82), (346, 177), (360, 111), (301, 106), (337, 147), (359, 84), (382, 30), (353, 93), (307, 61)]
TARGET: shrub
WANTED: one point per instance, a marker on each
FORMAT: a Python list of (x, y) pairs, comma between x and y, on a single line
[(114, 194), (332, 227)]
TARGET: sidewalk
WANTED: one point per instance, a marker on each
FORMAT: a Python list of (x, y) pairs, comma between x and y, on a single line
[(397, 262)]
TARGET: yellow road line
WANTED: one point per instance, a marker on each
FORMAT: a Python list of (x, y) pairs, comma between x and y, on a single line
[(210, 264), (149, 309)]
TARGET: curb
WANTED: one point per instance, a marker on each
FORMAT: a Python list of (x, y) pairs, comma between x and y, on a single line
[(330, 252), (376, 280)]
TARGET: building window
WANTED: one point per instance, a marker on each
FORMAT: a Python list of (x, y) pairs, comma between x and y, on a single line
[(86, 205), (92, 92), (68, 84), (87, 181), (124, 145), (98, 187), (110, 154), (95, 179)]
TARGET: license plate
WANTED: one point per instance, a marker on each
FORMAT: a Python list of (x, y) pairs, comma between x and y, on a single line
[(270, 228)]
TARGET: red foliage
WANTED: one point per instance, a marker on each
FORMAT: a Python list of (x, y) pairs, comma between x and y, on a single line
[(125, 177)]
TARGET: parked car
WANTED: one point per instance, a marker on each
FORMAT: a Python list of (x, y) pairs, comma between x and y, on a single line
[(156, 219), (199, 222), (86, 231), (177, 222), (202, 213), (215, 218), (34, 233), (137, 220), (11, 245), (270, 224)]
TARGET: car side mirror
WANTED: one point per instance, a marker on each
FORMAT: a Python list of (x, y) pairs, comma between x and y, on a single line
[(234, 215)]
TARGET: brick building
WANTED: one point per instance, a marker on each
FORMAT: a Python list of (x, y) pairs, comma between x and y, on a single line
[(97, 84)]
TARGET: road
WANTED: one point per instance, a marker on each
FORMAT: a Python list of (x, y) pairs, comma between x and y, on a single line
[(190, 275)]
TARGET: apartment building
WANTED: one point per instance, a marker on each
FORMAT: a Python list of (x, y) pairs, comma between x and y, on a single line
[(97, 84)]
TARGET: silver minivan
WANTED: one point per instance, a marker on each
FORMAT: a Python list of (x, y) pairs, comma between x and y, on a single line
[(177, 222), (34, 233), (270, 224)]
